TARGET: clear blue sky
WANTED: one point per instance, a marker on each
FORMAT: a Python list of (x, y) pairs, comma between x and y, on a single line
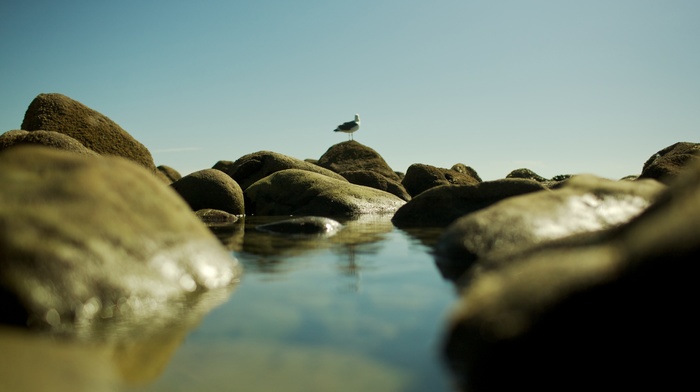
[(557, 86)]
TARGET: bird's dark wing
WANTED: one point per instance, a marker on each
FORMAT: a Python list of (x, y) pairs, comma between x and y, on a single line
[(347, 125)]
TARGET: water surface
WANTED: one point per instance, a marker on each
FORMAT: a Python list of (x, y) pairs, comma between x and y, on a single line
[(363, 310)]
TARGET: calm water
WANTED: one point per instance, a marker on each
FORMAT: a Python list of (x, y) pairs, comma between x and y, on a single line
[(363, 310)]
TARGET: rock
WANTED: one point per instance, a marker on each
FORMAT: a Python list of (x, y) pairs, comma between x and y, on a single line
[(616, 311), (583, 204), (93, 242), (377, 181), (462, 168), (58, 113), (666, 164), (301, 192), (212, 216), (211, 189), (306, 225), (527, 174), (171, 174), (351, 156), (420, 177), (43, 138), (442, 205), (252, 167)]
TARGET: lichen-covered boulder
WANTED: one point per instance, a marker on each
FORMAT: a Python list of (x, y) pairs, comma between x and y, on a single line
[(666, 164), (375, 180), (169, 173), (59, 113), (420, 177), (583, 204), (615, 311), (92, 242), (211, 189), (462, 168), (442, 205), (43, 138), (352, 156), (250, 168), (301, 192)]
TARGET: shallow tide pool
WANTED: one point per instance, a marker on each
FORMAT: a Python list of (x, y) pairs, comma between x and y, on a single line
[(363, 310)]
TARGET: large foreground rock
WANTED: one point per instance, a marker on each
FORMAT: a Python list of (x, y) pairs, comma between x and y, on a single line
[(252, 167), (583, 204), (615, 312), (300, 192), (442, 205), (58, 113), (88, 242), (211, 189), (666, 164), (43, 138)]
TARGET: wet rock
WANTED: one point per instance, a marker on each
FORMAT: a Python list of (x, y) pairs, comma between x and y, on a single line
[(614, 311), (301, 192), (43, 138), (93, 242), (212, 216), (666, 164), (306, 225), (583, 204), (58, 113), (352, 156), (442, 205), (211, 189), (420, 177), (171, 174), (252, 167), (377, 181)]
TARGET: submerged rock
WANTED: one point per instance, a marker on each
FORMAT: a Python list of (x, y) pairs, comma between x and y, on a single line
[(614, 311), (58, 113), (211, 189), (89, 242), (300, 192), (307, 225), (250, 168)]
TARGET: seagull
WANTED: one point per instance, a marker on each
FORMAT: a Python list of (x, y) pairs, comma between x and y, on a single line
[(350, 126)]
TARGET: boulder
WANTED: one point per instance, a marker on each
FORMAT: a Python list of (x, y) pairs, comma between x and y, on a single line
[(301, 192), (211, 189), (615, 311), (212, 216), (252, 167), (377, 181), (43, 138), (442, 205), (666, 164), (90, 243), (351, 156), (420, 177), (58, 113), (526, 173), (462, 168), (171, 174), (583, 204)]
